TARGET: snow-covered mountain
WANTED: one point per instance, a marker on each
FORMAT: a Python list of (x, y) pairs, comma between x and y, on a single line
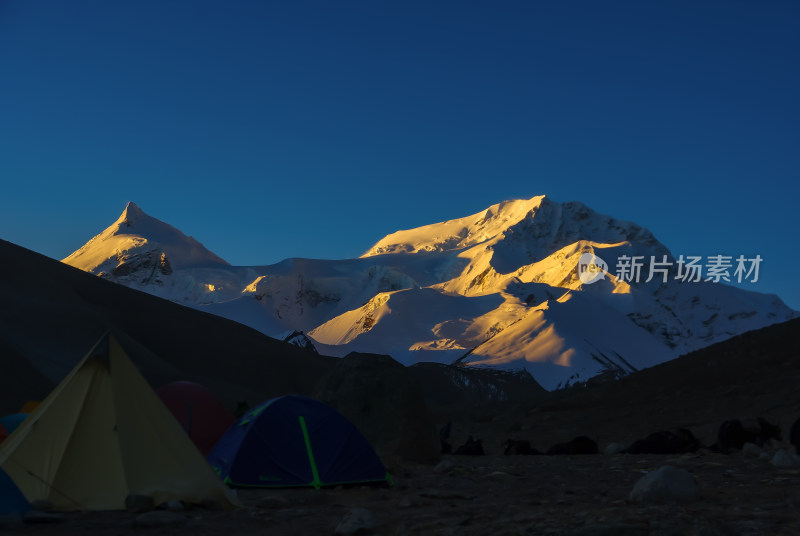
[(496, 289)]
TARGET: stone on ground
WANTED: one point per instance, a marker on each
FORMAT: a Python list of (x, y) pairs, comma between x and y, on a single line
[(666, 484)]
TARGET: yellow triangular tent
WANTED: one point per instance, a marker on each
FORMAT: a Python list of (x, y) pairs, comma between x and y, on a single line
[(103, 434)]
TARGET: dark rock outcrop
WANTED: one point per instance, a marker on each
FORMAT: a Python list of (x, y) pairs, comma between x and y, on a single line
[(384, 401), (519, 447), (677, 441), (578, 445), (794, 435), (733, 434), (472, 447)]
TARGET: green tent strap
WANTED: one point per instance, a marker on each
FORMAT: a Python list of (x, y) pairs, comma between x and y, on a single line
[(255, 412), (316, 482), (389, 479)]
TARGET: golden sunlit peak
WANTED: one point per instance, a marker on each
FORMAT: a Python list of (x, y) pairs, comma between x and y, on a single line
[(131, 213)]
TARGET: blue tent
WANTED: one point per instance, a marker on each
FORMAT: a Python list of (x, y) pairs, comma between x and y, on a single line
[(11, 499), (11, 422), (295, 441)]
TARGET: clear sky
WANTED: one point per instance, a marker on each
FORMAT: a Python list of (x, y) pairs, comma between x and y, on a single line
[(272, 129)]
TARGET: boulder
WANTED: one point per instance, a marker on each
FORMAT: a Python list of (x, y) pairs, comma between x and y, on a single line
[(519, 447), (356, 521), (444, 466), (666, 484), (472, 447), (751, 450), (794, 435), (578, 445), (735, 433), (678, 441), (784, 458)]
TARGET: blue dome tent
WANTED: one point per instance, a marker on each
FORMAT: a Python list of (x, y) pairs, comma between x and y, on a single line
[(12, 501), (295, 441)]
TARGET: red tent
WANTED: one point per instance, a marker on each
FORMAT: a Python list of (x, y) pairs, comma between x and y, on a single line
[(3, 433), (201, 414)]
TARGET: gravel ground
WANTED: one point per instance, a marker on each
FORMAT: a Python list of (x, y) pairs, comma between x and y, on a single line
[(498, 495)]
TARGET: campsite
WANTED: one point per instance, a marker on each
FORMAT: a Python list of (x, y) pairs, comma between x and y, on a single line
[(101, 452)]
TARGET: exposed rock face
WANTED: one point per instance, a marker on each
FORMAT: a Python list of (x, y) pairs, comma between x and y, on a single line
[(299, 339), (145, 267), (384, 401), (453, 386)]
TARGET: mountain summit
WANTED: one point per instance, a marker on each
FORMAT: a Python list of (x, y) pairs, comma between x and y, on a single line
[(496, 289), (140, 249), (459, 233)]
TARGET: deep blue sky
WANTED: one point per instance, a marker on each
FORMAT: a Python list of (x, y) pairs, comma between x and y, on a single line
[(275, 129)]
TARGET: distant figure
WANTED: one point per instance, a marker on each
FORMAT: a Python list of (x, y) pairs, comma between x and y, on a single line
[(794, 435), (679, 441), (242, 407), (472, 447), (579, 445), (734, 434), (444, 436), (519, 447)]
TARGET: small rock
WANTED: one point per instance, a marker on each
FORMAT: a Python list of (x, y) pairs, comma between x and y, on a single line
[(664, 485), (139, 503), (613, 448), (784, 458), (40, 518), (174, 506), (42, 505), (498, 474), (751, 450), (357, 520), (765, 455), (158, 518), (444, 466), (405, 502)]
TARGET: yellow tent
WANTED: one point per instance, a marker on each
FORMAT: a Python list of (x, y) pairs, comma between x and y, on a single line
[(103, 434)]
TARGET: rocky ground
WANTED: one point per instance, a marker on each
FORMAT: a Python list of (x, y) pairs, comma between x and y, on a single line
[(496, 494)]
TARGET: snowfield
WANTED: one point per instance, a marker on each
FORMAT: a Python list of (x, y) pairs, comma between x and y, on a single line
[(495, 289)]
